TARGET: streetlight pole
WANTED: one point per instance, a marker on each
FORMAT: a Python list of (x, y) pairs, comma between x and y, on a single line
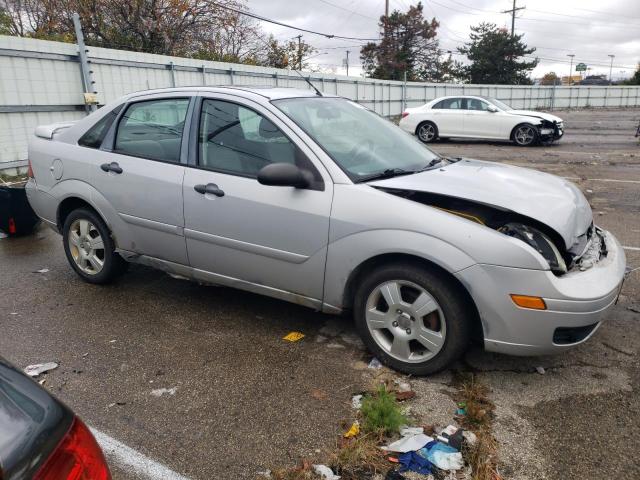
[(571, 67), (347, 64), (611, 70)]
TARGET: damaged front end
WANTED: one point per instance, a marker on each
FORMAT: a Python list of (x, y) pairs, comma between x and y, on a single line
[(550, 131), (586, 252)]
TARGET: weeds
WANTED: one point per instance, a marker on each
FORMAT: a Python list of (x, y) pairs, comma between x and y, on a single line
[(360, 457), (381, 413), (482, 456)]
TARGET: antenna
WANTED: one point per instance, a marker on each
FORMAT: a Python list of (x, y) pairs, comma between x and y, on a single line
[(318, 92)]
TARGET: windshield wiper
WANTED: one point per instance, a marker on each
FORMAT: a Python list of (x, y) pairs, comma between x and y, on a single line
[(388, 173)]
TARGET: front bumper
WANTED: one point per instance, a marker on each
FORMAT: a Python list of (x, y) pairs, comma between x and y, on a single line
[(577, 303)]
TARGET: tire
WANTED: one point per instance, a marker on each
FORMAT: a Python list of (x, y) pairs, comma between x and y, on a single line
[(527, 139), (450, 319), (83, 233), (427, 132)]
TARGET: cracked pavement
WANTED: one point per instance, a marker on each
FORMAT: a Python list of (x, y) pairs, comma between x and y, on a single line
[(246, 400)]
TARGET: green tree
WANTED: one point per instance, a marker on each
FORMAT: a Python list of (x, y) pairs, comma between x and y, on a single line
[(497, 57), (287, 54), (5, 22), (635, 80), (408, 45)]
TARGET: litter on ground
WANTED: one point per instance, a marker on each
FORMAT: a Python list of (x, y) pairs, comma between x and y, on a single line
[(159, 392), (356, 402), (353, 431), (42, 270), (540, 370), (38, 368), (293, 336), (325, 472), (409, 443), (375, 363)]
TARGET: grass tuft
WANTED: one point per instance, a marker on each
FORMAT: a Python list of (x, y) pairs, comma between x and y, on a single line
[(381, 413), (358, 458)]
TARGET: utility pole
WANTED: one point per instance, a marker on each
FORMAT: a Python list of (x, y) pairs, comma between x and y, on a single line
[(347, 63), (571, 55), (86, 73), (299, 37), (611, 70), (513, 16)]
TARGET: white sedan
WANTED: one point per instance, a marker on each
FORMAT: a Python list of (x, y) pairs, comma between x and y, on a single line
[(467, 116)]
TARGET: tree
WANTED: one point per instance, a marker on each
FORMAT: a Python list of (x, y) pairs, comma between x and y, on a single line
[(550, 78), (497, 57), (171, 27), (635, 80), (408, 45), (286, 55), (5, 22)]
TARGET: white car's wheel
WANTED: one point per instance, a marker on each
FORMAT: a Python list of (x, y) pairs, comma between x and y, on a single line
[(427, 132), (525, 135)]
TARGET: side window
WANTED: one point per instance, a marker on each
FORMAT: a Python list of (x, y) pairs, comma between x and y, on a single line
[(439, 105), (451, 104), (95, 135), (153, 129), (476, 104), (237, 140)]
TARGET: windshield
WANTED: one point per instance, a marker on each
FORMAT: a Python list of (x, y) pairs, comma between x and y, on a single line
[(361, 142), (499, 104)]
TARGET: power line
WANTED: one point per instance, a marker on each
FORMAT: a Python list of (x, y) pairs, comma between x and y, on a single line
[(275, 22), (353, 12), (513, 12)]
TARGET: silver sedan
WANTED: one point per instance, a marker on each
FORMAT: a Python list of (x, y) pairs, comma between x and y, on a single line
[(316, 200)]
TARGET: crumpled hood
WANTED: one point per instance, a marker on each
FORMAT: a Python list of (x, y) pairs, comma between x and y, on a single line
[(532, 113), (546, 198)]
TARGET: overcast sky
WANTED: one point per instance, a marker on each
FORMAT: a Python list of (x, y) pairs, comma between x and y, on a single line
[(590, 29)]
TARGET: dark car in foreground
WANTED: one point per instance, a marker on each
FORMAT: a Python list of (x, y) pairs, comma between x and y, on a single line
[(40, 437)]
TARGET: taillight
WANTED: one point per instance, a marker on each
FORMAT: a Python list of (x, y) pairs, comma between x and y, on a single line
[(77, 457), (404, 114), (30, 171), (12, 226)]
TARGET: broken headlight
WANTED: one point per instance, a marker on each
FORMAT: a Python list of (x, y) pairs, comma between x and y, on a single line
[(540, 243)]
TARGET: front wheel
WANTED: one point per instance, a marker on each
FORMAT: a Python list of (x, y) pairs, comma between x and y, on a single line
[(525, 135), (89, 247), (414, 320)]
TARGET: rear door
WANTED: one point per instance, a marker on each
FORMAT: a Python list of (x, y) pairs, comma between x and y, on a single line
[(448, 115), (140, 173), (268, 239)]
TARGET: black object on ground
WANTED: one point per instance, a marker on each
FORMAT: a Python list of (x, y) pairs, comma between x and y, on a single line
[(16, 215)]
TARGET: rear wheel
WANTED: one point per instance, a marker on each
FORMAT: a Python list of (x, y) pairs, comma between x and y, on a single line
[(427, 132), (414, 320), (525, 135), (89, 247)]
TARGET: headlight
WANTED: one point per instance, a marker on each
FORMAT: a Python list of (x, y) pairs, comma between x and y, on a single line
[(539, 241)]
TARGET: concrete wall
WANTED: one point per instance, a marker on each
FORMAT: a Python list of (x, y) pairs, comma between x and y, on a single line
[(40, 83)]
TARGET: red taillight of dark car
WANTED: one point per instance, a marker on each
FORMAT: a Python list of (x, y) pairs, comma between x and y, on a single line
[(405, 114), (77, 457)]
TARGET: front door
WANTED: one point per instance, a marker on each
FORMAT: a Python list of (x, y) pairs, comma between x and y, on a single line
[(142, 178), (239, 232), (448, 114), (479, 122)]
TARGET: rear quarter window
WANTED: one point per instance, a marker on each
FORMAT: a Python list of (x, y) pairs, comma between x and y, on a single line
[(94, 137)]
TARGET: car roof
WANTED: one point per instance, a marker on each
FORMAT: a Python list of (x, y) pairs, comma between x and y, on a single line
[(270, 93)]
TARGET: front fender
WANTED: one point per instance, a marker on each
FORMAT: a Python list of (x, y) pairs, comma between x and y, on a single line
[(347, 253)]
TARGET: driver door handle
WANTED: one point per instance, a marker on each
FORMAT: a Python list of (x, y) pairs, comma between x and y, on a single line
[(210, 188)]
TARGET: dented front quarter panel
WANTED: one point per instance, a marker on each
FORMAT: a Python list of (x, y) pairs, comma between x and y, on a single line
[(546, 198), (367, 222)]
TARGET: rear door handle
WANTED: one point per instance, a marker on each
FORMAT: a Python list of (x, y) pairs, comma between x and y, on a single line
[(210, 188), (111, 167)]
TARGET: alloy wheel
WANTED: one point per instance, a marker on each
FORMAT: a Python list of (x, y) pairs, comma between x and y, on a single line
[(86, 246), (525, 135), (427, 132), (405, 321)]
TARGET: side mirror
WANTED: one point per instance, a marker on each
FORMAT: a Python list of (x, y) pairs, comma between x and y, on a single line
[(284, 175), (492, 109)]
